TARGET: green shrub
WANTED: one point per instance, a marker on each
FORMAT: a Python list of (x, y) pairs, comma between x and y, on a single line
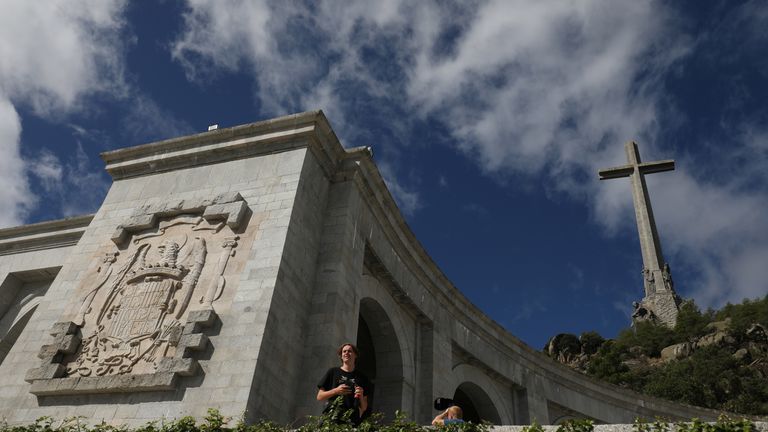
[(577, 425), (745, 314), (591, 342), (649, 337), (607, 364), (215, 422), (691, 323), (533, 427)]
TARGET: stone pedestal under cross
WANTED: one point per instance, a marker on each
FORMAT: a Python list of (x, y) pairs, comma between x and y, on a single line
[(660, 299)]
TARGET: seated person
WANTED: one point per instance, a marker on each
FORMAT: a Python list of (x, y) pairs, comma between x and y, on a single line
[(346, 383), (452, 415)]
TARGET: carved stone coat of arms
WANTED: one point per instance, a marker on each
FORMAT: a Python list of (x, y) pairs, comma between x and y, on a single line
[(144, 306)]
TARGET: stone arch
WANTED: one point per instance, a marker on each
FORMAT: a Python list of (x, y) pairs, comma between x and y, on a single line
[(481, 394), (560, 419), (380, 356), (22, 292), (476, 403), (13, 323), (559, 414)]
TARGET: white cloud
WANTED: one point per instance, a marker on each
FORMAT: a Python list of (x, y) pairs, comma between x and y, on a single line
[(85, 187), (547, 89), (146, 119), (408, 200), (754, 16), (717, 229), (288, 47), (535, 84), (54, 52), (47, 168), (516, 74), (525, 311), (72, 181), (14, 190), (243, 34)]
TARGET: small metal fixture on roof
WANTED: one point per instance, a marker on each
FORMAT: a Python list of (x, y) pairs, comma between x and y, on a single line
[(213, 127)]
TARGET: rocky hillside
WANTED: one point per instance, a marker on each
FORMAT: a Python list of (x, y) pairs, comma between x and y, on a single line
[(715, 359)]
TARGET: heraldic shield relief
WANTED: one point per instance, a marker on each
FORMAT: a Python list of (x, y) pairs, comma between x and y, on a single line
[(143, 307), (138, 321)]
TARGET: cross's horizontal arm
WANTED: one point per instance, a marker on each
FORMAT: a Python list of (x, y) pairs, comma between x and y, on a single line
[(659, 166), (617, 172)]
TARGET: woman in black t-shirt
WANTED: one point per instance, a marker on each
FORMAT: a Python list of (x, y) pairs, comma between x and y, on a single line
[(347, 383)]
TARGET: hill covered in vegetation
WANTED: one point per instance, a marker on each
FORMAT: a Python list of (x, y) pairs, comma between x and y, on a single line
[(713, 359)]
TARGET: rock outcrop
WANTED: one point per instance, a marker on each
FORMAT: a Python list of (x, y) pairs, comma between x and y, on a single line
[(749, 346)]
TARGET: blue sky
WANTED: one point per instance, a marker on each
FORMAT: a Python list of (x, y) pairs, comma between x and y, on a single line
[(488, 119)]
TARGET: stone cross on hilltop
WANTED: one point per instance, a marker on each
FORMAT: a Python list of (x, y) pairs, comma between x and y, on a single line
[(660, 302)]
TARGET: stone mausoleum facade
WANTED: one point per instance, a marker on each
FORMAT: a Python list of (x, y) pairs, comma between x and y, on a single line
[(223, 270)]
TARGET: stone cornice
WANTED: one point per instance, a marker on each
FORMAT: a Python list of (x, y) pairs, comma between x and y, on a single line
[(44, 235), (309, 129)]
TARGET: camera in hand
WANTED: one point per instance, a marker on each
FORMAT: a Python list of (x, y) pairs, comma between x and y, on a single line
[(441, 404), (350, 383)]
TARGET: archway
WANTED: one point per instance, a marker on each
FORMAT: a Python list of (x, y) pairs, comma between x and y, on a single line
[(9, 339), (380, 357), (559, 414), (476, 404), (23, 292)]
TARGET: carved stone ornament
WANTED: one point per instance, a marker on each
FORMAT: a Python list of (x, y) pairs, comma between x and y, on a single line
[(144, 309)]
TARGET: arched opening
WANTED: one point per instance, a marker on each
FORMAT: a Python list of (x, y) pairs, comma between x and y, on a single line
[(380, 357), (476, 404), (559, 414), (366, 361), (9, 339)]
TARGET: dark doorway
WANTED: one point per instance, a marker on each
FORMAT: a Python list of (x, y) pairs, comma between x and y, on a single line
[(380, 357), (366, 361), (476, 404), (470, 412)]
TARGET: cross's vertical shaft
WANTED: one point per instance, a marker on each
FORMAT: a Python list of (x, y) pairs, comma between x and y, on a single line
[(646, 224)]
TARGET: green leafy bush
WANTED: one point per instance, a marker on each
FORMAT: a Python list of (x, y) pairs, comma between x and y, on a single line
[(215, 422), (607, 364), (591, 342), (577, 425), (649, 337), (745, 314), (723, 424), (691, 323)]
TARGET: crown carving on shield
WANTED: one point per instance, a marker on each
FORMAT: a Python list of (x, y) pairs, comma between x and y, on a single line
[(166, 267)]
